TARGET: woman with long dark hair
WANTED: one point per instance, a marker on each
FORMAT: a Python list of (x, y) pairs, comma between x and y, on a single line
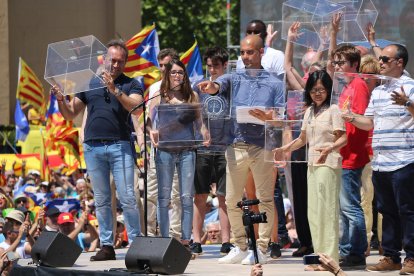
[(175, 90), (323, 130)]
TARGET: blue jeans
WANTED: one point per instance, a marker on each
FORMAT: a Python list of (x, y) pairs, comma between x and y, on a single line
[(116, 157), (354, 239), (165, 164), (394, 193)]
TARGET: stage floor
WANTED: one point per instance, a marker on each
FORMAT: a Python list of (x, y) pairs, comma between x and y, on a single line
[(207, 264)]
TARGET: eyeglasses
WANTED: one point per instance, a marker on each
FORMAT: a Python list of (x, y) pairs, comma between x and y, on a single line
[(249, 32), (174, 73), (339, 62), (318, 90), (385, 58)]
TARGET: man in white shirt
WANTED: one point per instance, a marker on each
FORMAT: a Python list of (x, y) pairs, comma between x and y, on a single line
[(272, 60)]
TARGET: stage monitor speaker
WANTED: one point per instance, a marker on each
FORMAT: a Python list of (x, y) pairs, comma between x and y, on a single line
[(55, 249), (157, 255)]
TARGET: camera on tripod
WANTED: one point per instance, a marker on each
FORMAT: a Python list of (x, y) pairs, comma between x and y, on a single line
[(249, 217)]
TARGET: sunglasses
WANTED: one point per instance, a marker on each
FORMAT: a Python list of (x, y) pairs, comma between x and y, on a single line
[(339, 62), (385, 58), (256, 32)]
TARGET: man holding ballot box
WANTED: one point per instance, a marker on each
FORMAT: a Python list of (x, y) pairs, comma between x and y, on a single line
[(107, 144), (251, 87)]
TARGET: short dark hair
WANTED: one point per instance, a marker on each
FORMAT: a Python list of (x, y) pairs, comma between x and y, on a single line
[(351, 54), (326, 80), (168, 52), (8, 226), (118, 44), (401, 53), (216, 54), (263, 31)]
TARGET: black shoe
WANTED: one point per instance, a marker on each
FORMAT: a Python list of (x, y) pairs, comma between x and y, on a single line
[(353, 262), (106, 253), (275, 250), (196, 248), (225, 248), (302, 251), (284, 242)]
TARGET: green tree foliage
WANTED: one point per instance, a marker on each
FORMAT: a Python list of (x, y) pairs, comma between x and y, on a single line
[(178, 21)]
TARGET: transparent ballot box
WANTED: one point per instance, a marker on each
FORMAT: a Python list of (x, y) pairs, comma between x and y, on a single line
[(251, 88), (219, 134), (76, 65), (314, 16), (358, 14), (279, 133), (345, 89), (179, 126), (295, 105)]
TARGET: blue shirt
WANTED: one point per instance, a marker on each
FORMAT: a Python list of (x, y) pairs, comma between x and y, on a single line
[(251, 88), (107, 118)]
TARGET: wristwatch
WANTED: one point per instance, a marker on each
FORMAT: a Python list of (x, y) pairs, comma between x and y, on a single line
[(117, 92), (408, 104), (375, 45)]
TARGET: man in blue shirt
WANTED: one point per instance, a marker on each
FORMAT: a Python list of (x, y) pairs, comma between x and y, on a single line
[(251, 87), (107, 144)]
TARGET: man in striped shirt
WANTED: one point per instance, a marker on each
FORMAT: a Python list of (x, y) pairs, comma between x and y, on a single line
[(391, 113)]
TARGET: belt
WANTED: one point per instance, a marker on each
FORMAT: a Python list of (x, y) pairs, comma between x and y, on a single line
[(241, 145), (104, 141)]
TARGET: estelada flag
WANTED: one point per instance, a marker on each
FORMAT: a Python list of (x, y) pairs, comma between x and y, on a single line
[(29, 88)]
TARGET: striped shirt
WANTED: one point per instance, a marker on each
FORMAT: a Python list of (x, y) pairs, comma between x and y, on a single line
[(393, 137)]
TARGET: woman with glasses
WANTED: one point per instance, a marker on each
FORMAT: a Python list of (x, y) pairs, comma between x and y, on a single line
[(323, 130), (169, 129)]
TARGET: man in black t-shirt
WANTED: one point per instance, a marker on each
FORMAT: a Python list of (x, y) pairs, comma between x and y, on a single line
[(107, 145)]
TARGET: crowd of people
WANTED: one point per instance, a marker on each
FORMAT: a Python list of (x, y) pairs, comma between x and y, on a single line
[(358, 157)]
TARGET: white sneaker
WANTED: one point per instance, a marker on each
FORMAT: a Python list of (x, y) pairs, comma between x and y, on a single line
[(249, 260), (235, 256)]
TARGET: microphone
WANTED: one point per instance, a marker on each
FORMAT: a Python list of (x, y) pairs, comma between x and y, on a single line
[(145, 101)]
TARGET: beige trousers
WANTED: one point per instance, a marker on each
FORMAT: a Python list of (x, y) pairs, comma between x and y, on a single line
[(240, 158)]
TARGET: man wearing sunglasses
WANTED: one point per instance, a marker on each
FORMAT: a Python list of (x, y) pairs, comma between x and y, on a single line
[(354, 97), (272, 60), (390, 112)]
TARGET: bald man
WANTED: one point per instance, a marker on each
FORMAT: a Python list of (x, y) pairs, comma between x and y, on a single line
[(246, 145)]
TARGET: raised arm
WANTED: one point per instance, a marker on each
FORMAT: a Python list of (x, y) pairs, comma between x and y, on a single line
[(292, 75), (371, 40), (335, 23)]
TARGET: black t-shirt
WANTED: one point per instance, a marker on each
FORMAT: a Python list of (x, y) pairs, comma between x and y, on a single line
[(106, 116)]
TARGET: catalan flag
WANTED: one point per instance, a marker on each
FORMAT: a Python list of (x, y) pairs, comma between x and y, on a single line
[(143, 49), (193, 62), (29, 88), (59, 132)]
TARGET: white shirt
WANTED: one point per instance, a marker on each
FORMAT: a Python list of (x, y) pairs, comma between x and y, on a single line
[(393, 138), (19, 250)]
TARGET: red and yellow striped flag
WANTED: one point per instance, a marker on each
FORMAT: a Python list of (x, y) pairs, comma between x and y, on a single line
[(29, 88)]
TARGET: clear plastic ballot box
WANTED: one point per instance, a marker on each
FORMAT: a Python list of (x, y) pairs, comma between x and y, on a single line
[(76, 65)]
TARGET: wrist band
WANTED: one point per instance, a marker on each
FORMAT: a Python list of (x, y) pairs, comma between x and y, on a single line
[(336, 273), (353, 119)]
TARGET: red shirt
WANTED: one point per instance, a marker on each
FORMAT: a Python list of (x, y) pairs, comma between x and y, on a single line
[(355, 153)]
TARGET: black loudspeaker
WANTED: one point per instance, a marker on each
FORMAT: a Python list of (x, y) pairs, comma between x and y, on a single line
[(55, 249), (157, 255)]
